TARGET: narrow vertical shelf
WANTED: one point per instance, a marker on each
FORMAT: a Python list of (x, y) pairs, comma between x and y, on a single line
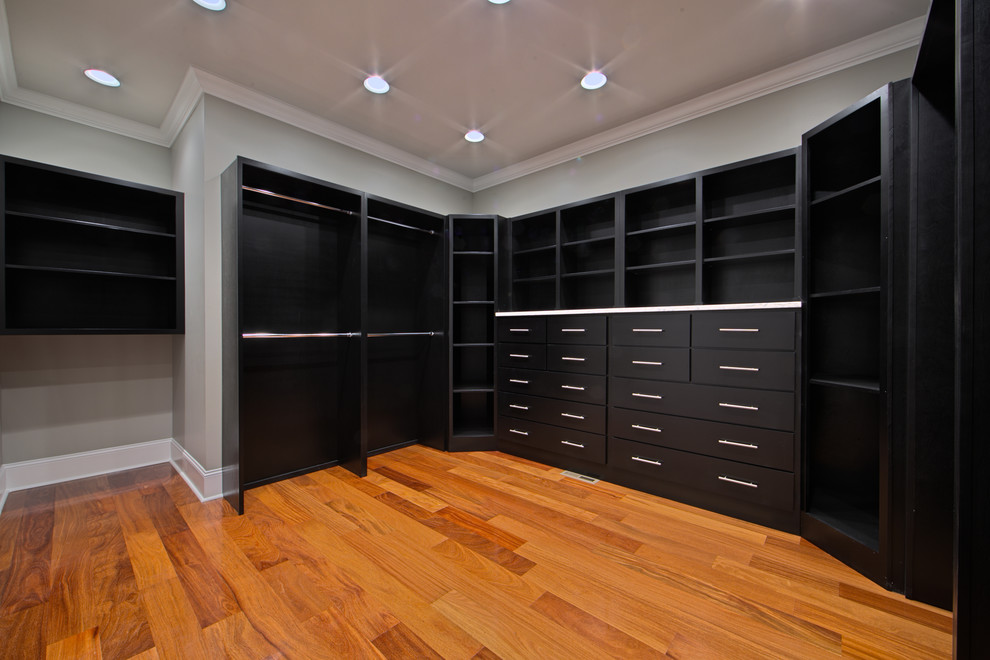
[(473, 295)]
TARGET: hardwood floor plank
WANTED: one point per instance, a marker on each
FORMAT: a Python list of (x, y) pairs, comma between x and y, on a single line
[(236, 639), (28, 578), (149, 558), (256, 546), (174, 624), (899, 606), (303, 596), (81, 646), (209, 595), (481, 527), (162, 510), (338, 639), (488, 573), (420, 498), (607, 640), (23, 633), (399, 643)]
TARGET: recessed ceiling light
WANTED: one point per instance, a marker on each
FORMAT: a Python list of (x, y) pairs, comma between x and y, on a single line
[(474, 135), (498, 2), (212, 5), (102, 77), (594, 80), (376, 84)]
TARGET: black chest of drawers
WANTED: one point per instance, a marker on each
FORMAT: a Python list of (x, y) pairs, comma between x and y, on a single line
[(697, 406)]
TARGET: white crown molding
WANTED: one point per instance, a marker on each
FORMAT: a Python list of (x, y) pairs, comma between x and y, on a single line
[(198, 82), (885, 42), (205, 483), (307, 121)]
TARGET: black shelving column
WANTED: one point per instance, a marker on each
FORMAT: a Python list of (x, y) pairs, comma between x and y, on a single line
[(851, 208), (473, 292)]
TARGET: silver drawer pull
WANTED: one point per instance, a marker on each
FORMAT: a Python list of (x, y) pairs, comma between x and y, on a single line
[(519, 355), (738, 329), (646, 460), (737, 406), (728, 368), (520, 382), (572, 416), (572, 359), (647, 396), (572, 329), (747, 484), (649, 364), (647, 329), (518, 432), (572, 444), (731, 443), (652, 429), (518, 329), (518, 407), (572, 387)]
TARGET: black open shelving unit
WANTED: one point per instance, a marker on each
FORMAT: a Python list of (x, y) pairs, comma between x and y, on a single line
[(85, 254)]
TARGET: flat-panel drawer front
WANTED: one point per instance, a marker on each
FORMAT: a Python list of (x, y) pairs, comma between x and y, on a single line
[(650, 395), (578, 416), (757, 330), (648, 362), (764, 408), (585, 388), (763, 486), (523, 381), (576, 359), (773, 449), (530, 329), (579, 329), (526, 356), (766, 370), (651, 329), (568, 442)]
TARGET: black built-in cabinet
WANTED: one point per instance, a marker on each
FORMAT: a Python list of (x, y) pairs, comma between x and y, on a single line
[(334, 341), (86, 254)]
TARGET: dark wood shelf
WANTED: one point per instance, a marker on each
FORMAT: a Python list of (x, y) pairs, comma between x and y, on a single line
[(751, 256), (587, 241), (467, 389), (752, 215), (474, 302), (474, 253), (862, 185), (846, 292), (864, 384), (589, 273), (659, 266), (474, 344), (475, 432), (87, 223), (533, 250), (80, 271), (541, 278), (655, 230)]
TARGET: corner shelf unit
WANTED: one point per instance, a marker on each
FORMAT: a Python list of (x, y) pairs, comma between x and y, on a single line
[(726, 235), (851, 181), (473, 240), (85, 254)]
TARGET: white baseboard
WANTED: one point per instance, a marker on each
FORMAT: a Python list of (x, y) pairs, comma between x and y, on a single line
[(45, 471), (205, 483)]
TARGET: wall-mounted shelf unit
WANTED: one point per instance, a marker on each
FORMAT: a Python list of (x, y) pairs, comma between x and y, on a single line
[(88, 254), (725, 235)]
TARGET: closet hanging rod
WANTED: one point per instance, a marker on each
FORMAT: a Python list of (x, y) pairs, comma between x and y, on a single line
[(399, 224), (301, 201), (334, 208), (405, 334), (296, 335)]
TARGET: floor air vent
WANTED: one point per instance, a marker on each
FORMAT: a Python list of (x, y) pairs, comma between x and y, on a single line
[(580, 477)]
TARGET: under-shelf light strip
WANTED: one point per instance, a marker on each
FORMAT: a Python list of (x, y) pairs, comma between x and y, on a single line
[(296, 335), (335, 209)]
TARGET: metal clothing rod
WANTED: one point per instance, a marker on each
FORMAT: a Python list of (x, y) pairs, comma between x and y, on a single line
[(399, 224), (296, 335), (404, 334), (301, 201)]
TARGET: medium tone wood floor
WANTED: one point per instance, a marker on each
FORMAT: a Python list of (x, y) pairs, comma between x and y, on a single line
[(478, 555)]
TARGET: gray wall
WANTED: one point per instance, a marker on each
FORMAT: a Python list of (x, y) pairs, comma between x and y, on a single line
[(764, 125), (61, 395)]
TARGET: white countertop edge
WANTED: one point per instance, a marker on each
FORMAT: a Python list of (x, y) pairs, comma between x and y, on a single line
[(793, 304)]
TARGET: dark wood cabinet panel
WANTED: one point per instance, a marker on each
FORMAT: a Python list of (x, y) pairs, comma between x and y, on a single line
[(763, 330), (583, 329), (530, 329), (650, 363), (523, 356), (765, 370), (577, 359), (651, 329)]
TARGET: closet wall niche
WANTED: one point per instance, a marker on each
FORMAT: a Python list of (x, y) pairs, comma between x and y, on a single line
[(334, 316)]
